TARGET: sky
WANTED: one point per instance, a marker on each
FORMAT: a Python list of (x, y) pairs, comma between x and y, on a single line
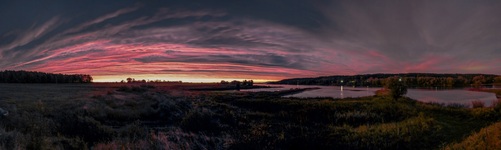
[(205, 41)]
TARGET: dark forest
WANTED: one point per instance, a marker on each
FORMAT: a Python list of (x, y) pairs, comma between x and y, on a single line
[(9, 76)]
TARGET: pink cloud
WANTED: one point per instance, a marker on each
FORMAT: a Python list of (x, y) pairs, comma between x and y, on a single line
[(428, 63), (236, 47)]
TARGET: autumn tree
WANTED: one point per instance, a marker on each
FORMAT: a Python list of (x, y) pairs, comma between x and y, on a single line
[(396, 87), (497, 80), (478, 81), (449, 82)]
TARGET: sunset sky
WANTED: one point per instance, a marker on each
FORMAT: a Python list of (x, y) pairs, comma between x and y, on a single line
[(203, 41)]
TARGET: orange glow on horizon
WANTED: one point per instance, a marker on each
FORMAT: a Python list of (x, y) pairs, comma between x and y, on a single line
[(170, 77)]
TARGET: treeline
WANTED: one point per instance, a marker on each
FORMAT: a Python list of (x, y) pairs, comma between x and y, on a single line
[(235, 82), (410, 79), (9, 76)]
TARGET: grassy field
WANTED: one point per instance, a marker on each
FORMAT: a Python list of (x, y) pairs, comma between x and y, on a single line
[(170, 116)]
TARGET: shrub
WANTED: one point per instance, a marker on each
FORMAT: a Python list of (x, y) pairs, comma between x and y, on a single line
[(12, 140), (172, 139), (412, 133), (485, 114), (477, 104), (396, 86), (18, 140), (383, 92), (87, 128), (147, 86), (201, 121), (138, 89), (487, 138), (497, 105), (124, 88)]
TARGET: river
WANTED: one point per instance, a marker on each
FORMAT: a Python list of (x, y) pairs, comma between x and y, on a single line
[(460, 96)]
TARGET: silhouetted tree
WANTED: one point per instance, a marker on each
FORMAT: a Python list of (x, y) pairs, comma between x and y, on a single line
[(396, 87), (9, 76), (224, 82), (237, 86)]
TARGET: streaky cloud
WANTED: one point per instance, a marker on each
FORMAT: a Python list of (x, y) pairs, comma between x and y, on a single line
[(322, 38)]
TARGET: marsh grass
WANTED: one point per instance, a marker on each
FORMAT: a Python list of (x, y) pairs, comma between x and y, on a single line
[(167, 117), (487, 138), (411, 133)]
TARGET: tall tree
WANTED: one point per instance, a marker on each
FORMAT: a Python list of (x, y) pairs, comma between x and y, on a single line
[(396, 87)]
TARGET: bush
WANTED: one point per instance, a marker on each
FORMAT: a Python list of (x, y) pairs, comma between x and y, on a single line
[(12, 140), (202, 120), (87, 128), (125, 88), (138, 89), (147, 86), (412, 133), (396, 86), (172, 139), (477, 104), (17, 140), (485, 114), (497, 105), (487, 138)]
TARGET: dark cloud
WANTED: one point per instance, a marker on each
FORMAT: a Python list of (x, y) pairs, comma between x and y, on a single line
[(240, 71), (268, 60), (410, 31)]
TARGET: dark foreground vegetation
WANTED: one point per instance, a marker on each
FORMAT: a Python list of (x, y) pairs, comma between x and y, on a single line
[(10, 76), (165, 116), (421, 80)]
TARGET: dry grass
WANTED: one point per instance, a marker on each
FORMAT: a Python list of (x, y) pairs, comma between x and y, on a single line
[(407, 134), (173, 139), (487, 138)]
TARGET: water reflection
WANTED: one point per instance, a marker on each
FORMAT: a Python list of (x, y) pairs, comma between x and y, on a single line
[(425, 95), (451, 96)]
